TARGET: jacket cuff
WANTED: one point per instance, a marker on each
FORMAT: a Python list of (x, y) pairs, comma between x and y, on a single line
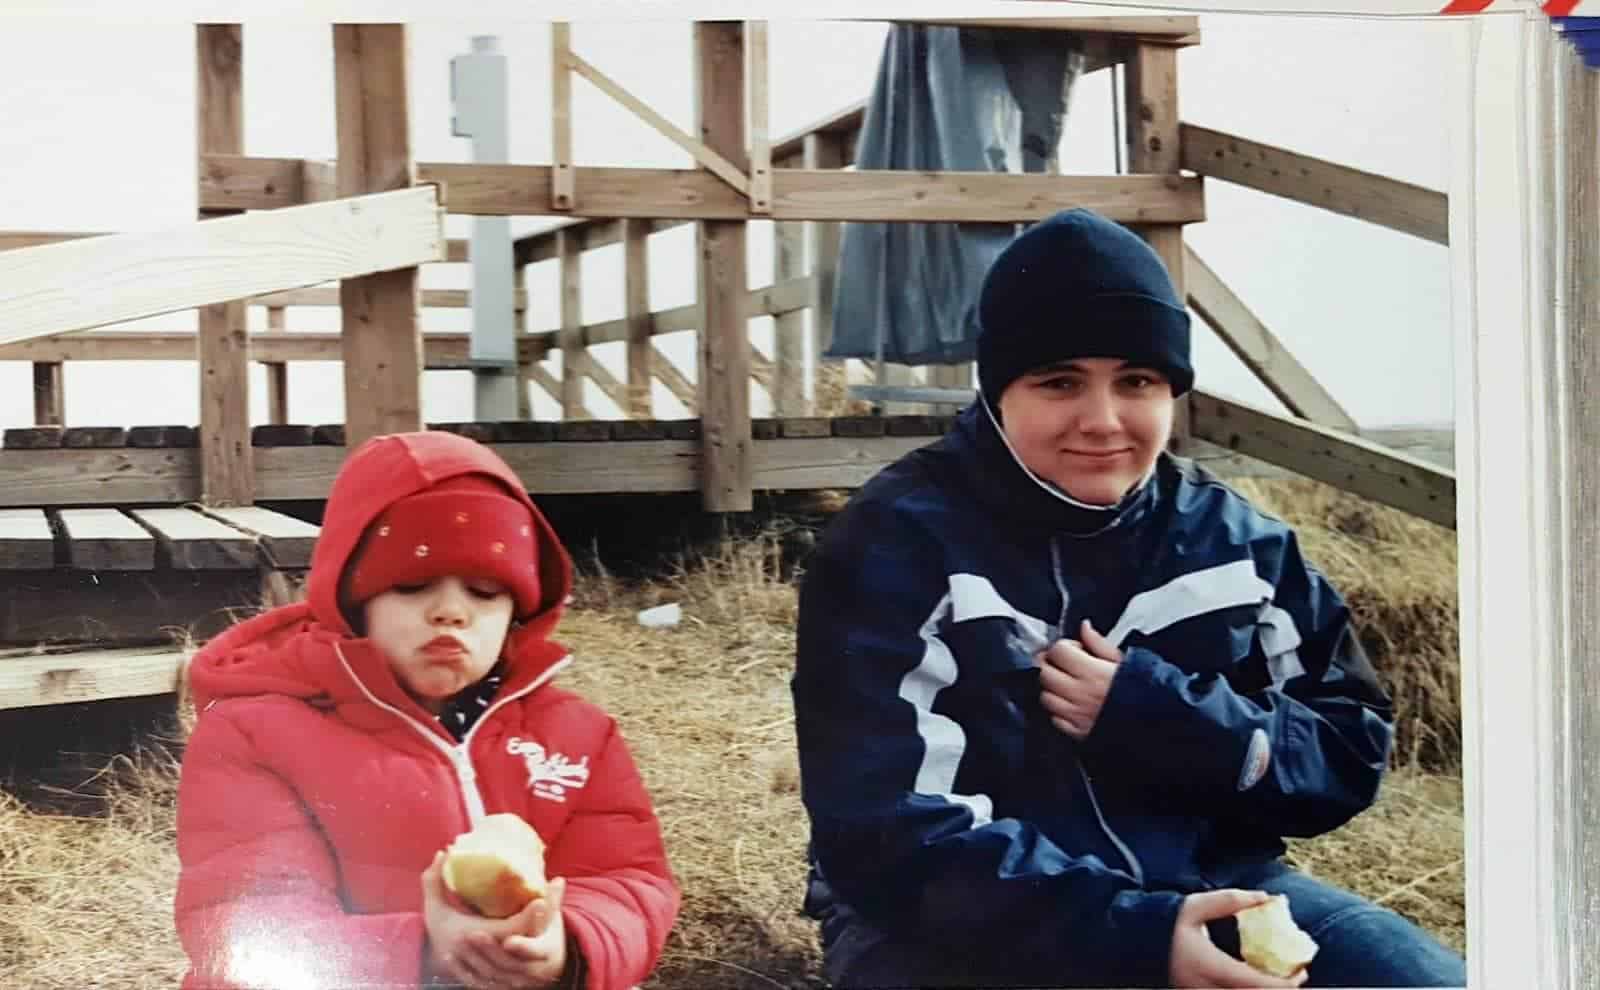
[(1174, 722), (1140, 937)]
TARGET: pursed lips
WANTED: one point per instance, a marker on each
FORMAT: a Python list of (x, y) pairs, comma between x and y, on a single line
[(444, 646)]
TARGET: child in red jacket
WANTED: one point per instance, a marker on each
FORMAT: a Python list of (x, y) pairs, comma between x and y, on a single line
[(342, 743)]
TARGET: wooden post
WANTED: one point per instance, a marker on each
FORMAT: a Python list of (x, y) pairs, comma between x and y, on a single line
[(724, 384), (277, 373), (49, 394), (755, 43), (519, 289), (1151, 89), (227, 475), (561, 178), (636, 291), (382, 334), (789, 329), (824, 151), (571, 334)]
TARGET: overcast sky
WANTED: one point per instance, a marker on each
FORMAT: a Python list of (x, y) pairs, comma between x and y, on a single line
[(99, 135)]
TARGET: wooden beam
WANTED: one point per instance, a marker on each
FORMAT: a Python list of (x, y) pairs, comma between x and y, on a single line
[(798, 194), (221, 346), (26, 541), (540, 376), (277, 372), (844, 124), (456, 247), (724, 364), (769, 300), (1260, 350), (329, 296), (49, 394), (60, 678), (441, 351), (636, 308), (571, 334), (1377, 199), (596, 372), (562, 184), (383, 342), (200, 264), (1351, 463)]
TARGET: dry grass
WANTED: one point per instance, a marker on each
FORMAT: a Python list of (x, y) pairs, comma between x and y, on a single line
[(87, 901)]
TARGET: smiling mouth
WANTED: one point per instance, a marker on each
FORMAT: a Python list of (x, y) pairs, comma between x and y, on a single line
[(1100, 455)]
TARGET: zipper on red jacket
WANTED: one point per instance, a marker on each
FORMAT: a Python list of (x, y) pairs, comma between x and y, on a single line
[(459, 755)]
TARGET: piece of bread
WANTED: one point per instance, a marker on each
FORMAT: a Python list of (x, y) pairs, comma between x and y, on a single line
[(498, 867), (1270, 941)]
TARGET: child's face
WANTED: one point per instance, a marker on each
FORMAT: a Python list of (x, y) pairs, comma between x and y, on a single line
[(1093, 426), (442, 636)]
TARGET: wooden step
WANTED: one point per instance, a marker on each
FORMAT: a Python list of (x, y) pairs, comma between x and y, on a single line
[(31, 678)]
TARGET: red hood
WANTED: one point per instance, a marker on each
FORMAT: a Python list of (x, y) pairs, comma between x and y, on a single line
[(290, 650)]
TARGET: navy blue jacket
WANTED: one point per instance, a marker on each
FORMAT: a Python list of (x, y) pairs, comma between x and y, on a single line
[(946, 807)]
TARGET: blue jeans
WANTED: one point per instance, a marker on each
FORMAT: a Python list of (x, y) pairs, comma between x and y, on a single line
[(1359, 944)]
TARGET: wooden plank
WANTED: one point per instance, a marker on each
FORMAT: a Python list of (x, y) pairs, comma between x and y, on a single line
[(723, 286), (561, 182), (98, 477), (222, 348), (879, 194), (285, 542), (798, 194), (190, 541), (1377, 199), (571, 334), (26, 541), (49, 394), (88, 675), (149, 274), (1351, 463), (34, 437), (760, 139), (824, 152), (440, 350), (105, 540), (383, 341), (708, 159), (84, 437), (637, 318), (1260, 350), (329, 296)]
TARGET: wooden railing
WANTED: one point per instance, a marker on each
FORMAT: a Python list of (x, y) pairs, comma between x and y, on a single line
[(809, 186)]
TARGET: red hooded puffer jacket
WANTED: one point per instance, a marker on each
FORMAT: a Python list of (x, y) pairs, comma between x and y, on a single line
[(315, 791)]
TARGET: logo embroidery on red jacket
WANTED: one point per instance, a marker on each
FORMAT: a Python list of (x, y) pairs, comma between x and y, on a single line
[(550, 775)]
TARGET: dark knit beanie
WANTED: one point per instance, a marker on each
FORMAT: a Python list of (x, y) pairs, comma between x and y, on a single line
[(1079, 286)]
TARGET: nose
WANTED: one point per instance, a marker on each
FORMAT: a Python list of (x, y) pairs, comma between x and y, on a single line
[(448, 605), (1098, 411)]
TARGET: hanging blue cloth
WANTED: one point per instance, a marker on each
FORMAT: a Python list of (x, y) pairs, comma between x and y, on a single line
[(1584, 35), (945, 99)]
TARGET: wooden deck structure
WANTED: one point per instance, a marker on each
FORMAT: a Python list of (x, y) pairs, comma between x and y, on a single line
[(96, 521)]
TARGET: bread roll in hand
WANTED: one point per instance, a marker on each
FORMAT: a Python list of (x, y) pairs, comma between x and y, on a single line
[(1270, 941), (498, 867)]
